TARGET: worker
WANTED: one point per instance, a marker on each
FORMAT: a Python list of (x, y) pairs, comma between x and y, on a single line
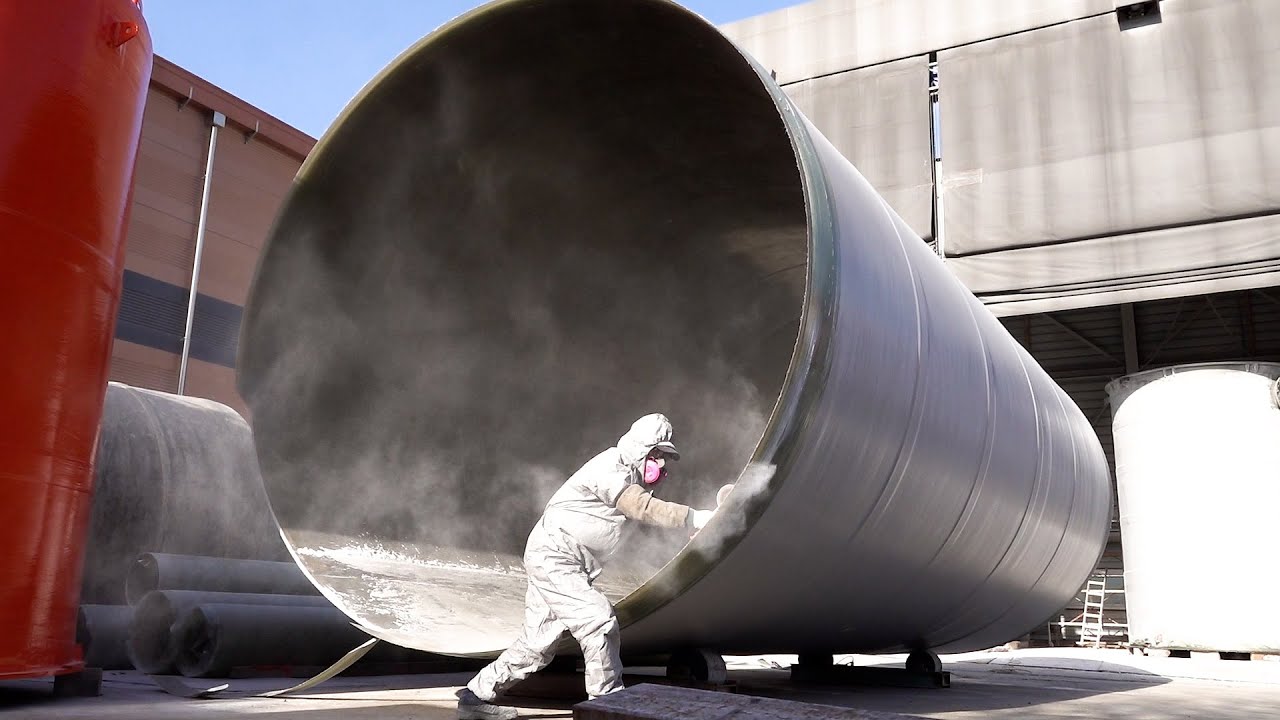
[(566, 551)]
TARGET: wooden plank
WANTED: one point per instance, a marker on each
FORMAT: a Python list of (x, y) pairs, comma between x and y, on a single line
[(659, 702)]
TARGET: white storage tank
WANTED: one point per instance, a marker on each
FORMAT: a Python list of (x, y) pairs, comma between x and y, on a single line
[(1198, 473)]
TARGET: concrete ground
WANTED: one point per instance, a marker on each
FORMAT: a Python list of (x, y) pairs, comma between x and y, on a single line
[(1053, 683)]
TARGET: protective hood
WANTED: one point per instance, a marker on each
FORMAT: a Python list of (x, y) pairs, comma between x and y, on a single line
[(645, 434)]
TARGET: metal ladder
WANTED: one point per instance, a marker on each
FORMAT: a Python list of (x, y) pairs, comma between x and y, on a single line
[(1095, 597)]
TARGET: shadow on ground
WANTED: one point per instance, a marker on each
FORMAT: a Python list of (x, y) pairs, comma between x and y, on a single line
[(974, 687)]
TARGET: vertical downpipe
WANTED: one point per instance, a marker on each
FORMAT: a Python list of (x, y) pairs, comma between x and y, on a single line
[(219, 120), (935, 145)]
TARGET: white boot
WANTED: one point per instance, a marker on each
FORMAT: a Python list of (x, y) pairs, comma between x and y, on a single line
[(471, 707)]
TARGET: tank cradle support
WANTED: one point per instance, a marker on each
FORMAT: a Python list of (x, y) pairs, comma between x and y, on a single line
[(692, 668), (923, 669), (697, 667)]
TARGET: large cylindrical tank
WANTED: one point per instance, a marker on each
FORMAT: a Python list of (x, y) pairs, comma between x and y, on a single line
[(74, 77), (1198, 478), (174, 474), (554, 216)]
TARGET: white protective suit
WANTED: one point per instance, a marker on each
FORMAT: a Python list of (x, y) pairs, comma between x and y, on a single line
[(567, 550)]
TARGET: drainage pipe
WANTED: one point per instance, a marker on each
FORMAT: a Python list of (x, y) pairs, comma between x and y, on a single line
[(219, 120)]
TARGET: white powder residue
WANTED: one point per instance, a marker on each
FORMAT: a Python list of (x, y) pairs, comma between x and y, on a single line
[(367, 554)]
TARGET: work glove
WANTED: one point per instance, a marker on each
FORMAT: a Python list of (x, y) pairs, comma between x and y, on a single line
[(701, 518), (723, 494)]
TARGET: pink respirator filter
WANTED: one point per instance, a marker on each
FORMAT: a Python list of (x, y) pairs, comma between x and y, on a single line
[(652, 471)]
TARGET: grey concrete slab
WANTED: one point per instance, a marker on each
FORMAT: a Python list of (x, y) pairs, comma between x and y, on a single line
[(1026, 684)]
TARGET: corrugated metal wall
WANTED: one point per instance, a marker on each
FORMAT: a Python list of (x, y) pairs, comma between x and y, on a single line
[(878, 118), (250, 178), (830, 36), (1084, 161)]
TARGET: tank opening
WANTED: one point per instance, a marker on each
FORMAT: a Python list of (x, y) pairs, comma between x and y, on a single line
[(542, 223)]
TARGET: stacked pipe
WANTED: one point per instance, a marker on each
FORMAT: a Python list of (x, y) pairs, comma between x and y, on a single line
[(212, 617), (173, 474), (102, 632), (165, 588), (163, 629), (161, 587), (163, 461)]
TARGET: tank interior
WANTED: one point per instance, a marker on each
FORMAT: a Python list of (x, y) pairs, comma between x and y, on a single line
[(535, 228)]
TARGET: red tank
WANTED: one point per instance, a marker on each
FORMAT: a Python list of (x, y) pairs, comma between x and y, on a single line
[(74, 77)]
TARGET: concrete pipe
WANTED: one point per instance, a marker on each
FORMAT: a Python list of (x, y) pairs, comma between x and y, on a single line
[(549, 218)]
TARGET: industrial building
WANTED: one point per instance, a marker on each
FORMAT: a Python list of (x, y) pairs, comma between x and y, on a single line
[(1103, 175), (254, 160)]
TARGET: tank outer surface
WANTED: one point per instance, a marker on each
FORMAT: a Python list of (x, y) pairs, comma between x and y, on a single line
[(1198, 478), (75, 77), (551, 217), (173, 474)]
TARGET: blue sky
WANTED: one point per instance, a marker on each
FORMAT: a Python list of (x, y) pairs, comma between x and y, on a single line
[(302, 60)]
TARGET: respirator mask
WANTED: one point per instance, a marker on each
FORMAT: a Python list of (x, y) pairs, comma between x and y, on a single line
[(654, 472)]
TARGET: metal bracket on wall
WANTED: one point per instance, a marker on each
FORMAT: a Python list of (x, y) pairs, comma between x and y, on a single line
[(251, 135), (191, 91), (1132, 15), (935, 152)]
